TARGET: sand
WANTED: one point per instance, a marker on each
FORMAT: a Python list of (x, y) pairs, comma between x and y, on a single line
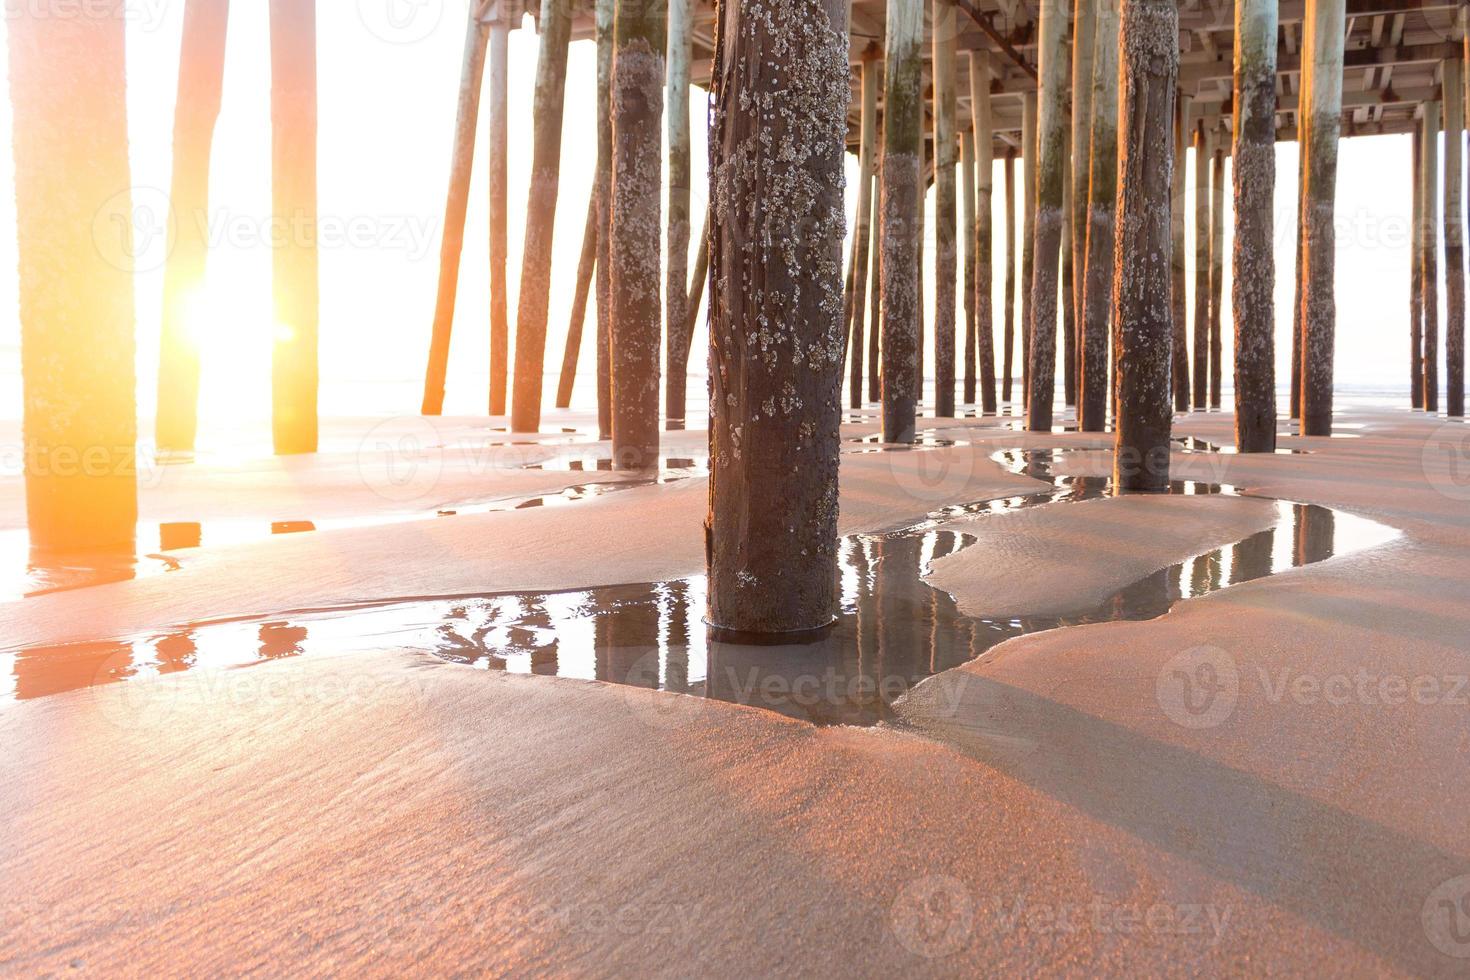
[(1067, 804)]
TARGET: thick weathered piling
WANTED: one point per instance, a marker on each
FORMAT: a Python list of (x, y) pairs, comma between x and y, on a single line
[(1084, 17), (1179, 360), (1028, 237), (1321, 58), (1454, 241), (780, 80), (1429, 253), (676, 274), (901, 204), (863, 226), (499, 125), (1149, 55), (585, 266), (293, 194), (451, 244), (1201, 361), (74, 215), (1217, 265), (985, 167), (1092, 407), (1253, 268), (637, 110), (1051, 140), (1008, 340), (1299, 270), (201, 77), (535, 291), (945, 243), (1416, 277), (967, 252), (875, 285), (603, 14)]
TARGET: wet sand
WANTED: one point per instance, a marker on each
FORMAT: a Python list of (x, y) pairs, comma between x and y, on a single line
[(1270, 778)]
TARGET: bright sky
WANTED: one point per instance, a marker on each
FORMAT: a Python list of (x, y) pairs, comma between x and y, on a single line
[(388, 75)]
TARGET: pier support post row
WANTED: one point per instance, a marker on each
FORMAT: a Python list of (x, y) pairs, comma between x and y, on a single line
[(780, 77), (1253, 264), (1149, 70)]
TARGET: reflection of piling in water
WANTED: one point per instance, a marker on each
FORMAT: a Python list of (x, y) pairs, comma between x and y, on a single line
[(1251, 558), (625, 639), (43, 671), (1313, 533), (676, 634), (280, 640)]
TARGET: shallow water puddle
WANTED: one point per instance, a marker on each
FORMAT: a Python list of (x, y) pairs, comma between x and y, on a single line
[(893, 630)]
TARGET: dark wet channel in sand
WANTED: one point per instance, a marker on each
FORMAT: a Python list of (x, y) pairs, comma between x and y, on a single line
[(893, 630)]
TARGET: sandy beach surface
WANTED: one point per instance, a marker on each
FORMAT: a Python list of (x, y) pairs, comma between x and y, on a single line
[(1270, 778)]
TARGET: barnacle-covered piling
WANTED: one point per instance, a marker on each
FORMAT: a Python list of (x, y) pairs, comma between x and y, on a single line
[(1051, 146), (1322, 59), (1253, 268), (780, 88), (1092, 407), (1149, 55), (603, 22), (901, 205), (637, 114)]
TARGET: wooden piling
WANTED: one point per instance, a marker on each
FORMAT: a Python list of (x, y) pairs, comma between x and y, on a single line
[(1179, 360), (967, 251), (1149, 55), (1454, 239), (780, 69), (201, 77), (1084, 19), (1322, 50), (603, 14), (637, 108), (499, 125), (535, 292), (1097, 385), (902, 203), (863, 225), (1253, 263), (945, 217), (697, 281), (1429, 253), (1028, 238), (1069, 283), (875, 286), (676, 276), (1299, 271), (293, 194), (74, 219), (585, 265), (451, 244), (985, 167), (1050, 202), (1008, 341), (1201, 363), (1416, 276), (1217, 265)]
